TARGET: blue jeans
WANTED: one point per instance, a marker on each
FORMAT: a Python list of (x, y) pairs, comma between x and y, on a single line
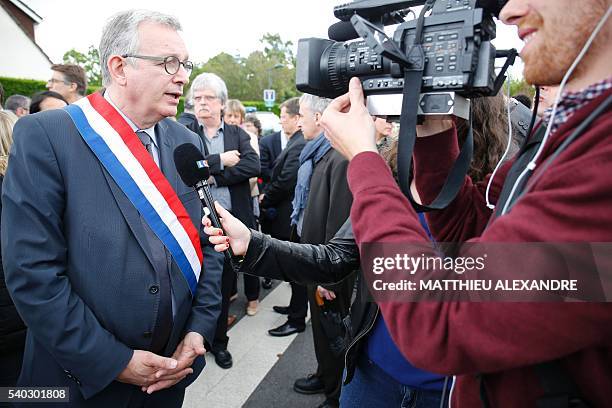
[(373, 388)]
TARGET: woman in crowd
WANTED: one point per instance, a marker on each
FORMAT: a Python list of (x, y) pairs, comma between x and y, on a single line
[(234, 114), (46, 100), (252, 124), (12, 329), (384, 130)]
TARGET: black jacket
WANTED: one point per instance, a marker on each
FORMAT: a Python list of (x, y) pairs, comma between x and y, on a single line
[(236, 178), (12, 328), (269, 149), (313, 264), (329, 199), (276, 207), (187, 119)]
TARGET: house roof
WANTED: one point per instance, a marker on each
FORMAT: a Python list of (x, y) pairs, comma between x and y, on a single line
[(30, 14), (27, 10)]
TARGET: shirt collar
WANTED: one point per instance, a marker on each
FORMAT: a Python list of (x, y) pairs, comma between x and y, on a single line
[(220, 130), (150, 131), (570, 102)]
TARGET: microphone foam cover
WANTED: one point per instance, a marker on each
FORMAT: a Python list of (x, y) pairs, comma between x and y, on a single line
[(190, 164)]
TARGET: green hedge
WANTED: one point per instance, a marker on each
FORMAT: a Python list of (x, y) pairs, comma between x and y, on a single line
[(28, 87)]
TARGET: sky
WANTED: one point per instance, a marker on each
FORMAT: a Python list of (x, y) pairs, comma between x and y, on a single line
[(209, 27)]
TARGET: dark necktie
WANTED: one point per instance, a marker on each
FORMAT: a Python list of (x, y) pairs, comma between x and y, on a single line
[(163, 325), (146, 141)]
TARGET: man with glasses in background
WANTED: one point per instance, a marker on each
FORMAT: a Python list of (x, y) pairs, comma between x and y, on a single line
[(68, 80), (232, 161), (103, 255)]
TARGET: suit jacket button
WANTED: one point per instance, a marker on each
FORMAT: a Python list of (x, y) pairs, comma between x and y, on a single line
[(153, 289)]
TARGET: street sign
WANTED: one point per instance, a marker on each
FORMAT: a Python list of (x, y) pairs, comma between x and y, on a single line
[(269, 96)]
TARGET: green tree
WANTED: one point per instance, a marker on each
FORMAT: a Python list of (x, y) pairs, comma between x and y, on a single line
[(275, 49), (90, 61), (519, 86), (246, 78), (230, 69)]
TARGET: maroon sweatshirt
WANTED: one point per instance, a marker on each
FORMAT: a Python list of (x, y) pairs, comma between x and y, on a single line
[(571, 202)]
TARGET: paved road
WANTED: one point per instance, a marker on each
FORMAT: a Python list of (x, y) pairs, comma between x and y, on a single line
[(264, 368)]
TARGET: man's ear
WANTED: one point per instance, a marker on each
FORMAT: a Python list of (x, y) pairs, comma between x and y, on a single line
[(317, 118), (116, 66)]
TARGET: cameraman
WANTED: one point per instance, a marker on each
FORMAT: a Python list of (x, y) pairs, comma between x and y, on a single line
[(497, 348)]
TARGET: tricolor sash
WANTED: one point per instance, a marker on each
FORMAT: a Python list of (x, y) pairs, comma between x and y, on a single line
[(122, 154)]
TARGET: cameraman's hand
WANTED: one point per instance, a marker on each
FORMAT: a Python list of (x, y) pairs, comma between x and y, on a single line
[(348, 124), (238, 235)]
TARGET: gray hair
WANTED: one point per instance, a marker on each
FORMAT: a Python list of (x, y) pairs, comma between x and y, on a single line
[(315, 103), (213, 82), (120, 35), (17, 101)]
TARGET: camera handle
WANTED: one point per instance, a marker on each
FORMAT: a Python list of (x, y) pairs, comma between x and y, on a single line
[(387, 48), (413, 64), (510, 56)]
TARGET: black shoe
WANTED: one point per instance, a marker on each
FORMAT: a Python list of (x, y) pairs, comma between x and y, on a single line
[(281, 309), (223, 358), (266, 283), (286, 329), (309, 385), (328, 404)]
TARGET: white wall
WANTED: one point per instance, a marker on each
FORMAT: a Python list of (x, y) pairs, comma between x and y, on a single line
[(19, 56)]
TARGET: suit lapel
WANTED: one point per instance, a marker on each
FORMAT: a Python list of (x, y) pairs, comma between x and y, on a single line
[(168, 168), (277, 144), (230, 139), (166, 154), (131, 215)]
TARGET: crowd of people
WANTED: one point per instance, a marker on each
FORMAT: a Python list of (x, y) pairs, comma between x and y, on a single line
[(114, 283)]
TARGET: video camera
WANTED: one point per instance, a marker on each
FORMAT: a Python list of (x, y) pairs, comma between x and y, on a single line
[(455, 55), (430, 67)]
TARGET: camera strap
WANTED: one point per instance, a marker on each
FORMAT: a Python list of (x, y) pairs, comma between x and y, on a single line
[(413, 79), (407, 138)]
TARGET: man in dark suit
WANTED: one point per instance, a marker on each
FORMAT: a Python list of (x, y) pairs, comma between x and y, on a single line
[(322, 204), (276, 209), (111, 307), (232, 162), (276, 198), (269, 148)]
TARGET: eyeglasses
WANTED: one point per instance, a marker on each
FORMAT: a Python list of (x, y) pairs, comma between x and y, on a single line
[(171, 63), (57, 81), (207, 98)]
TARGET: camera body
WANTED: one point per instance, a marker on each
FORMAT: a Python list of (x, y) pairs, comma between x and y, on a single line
[(458, 58)]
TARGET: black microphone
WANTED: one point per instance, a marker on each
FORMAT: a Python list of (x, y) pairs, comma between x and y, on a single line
[(342, 31), (194, 172)]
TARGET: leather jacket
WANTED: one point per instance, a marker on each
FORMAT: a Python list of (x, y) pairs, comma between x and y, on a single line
[(318, 264)]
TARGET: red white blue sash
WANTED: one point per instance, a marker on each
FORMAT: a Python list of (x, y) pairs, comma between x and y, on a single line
[(122, 154)]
